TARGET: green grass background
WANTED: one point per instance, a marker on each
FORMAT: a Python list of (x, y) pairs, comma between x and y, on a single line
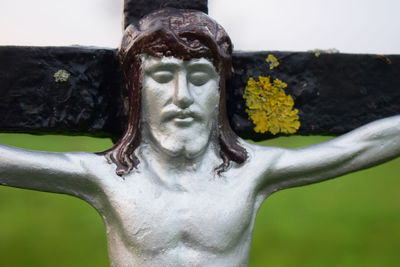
[(350, 221)]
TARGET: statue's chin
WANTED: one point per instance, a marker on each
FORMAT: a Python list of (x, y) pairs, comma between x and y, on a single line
[(183, 147), (188, 143)]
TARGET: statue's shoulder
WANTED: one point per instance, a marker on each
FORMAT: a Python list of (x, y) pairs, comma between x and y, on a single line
[(94, 163), (258, 151), (85, 157)]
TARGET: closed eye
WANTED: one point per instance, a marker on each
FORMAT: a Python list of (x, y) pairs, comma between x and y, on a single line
[(162, 76), (199, 78)]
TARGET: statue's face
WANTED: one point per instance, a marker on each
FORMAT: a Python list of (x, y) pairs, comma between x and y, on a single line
[(179, 103)]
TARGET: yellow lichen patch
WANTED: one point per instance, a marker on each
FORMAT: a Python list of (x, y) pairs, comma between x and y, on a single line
[(61, 76), (318, 52), (272, 61), (268, 106)]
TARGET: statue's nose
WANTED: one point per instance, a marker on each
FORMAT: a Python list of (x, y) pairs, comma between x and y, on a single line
[(182, 97)]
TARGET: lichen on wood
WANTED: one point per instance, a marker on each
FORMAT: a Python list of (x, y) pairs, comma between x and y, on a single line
[(269, 108), (272, 61), (61, 76)]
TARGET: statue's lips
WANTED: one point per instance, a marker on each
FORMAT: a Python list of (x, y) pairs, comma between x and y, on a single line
[(183, 121), (181, 116)]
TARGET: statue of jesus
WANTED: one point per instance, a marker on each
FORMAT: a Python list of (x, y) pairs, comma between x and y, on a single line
[(180, 188)]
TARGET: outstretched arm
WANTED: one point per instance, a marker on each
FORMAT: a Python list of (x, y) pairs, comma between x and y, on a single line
[(364, 147), (45, 171)]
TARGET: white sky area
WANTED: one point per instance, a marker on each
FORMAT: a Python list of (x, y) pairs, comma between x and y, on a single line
[(353, 26)]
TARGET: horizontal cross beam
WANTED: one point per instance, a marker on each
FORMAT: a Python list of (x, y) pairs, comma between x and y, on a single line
[(334, 93), (36, 98)]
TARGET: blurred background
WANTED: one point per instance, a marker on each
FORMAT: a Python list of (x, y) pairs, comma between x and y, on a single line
[(350, 221)]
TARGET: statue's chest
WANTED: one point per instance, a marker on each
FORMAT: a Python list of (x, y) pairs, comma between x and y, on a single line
[(152, 216)]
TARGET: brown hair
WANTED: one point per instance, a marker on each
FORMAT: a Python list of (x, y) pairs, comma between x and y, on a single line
[(184, 34)]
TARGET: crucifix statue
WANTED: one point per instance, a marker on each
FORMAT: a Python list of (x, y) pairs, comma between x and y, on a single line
[(180, 187)]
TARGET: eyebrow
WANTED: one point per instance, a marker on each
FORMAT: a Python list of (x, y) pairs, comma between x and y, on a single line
[(207, 65), (200, 62), (161, 66)]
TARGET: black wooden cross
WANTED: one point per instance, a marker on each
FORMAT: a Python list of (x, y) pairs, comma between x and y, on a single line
[(334, 93)]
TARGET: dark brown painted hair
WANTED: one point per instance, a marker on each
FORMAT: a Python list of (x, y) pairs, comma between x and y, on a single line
[(183, 34)]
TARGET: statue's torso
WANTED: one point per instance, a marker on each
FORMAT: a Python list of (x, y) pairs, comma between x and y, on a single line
[(152, 221)]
